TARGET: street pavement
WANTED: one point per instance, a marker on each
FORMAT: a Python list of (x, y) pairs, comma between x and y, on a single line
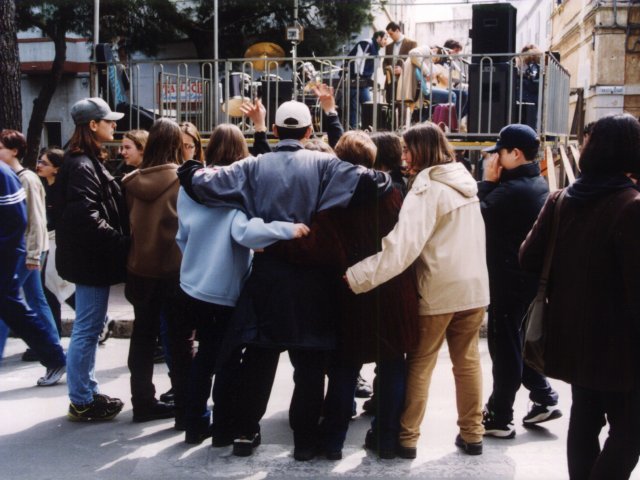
[(38, 442)]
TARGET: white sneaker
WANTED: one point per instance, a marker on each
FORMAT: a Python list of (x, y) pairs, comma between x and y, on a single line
[(52, 376), (541, 413)]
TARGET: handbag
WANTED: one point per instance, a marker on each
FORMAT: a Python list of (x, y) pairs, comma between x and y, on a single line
[(535, 320)]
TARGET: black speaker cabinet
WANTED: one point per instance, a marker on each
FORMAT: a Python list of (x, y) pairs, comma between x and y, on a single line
[(383, 118), (493, 30), (490, 94), (274, 94)]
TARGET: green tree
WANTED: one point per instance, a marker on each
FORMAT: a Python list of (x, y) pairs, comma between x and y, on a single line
[(328, 24)]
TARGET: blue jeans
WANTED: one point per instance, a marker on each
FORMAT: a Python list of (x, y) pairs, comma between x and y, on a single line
[(25, 323), (91, 312), (357, 96), (31, 283)]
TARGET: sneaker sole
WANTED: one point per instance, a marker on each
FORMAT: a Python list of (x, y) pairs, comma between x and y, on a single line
[(543, 417), (501, 434), (75, 418)]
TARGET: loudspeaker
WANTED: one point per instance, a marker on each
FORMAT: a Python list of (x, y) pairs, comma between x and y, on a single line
[(495, 85), (493, 30), (274, 94), (383, 118)]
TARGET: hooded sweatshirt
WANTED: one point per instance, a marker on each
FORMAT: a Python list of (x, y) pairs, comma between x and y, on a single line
[(152, 194), (441, 229)]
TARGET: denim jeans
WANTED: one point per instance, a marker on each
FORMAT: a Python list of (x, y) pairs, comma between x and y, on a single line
[(91, 312), (25, 323), (357, 96), (31, 283)]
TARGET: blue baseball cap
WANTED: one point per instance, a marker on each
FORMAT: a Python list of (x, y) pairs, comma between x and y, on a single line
[(515, 136)]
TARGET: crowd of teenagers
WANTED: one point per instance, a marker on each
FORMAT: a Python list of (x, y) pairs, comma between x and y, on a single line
[(369, 249)]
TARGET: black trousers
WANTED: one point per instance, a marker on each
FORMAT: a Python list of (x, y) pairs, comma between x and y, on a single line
[(509, 371), (590, 411), (257, 374), (152, 298)]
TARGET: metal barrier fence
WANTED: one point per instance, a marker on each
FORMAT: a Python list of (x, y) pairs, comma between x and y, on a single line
[(478, 96)]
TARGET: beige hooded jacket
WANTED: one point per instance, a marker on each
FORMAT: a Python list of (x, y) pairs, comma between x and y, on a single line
[(441, 229)]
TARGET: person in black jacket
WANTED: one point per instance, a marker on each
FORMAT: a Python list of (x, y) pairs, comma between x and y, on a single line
[(93, 243), (511, 197)]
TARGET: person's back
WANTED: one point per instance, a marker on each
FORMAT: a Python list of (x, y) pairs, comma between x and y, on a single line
[(593, 312)]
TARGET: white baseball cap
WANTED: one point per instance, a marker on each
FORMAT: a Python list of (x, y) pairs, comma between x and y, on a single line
[(293, 114)]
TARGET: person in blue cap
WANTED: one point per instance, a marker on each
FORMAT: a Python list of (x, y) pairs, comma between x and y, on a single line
[(511, 197)]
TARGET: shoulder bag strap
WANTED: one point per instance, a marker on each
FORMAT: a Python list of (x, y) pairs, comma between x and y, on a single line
[(546, 266)]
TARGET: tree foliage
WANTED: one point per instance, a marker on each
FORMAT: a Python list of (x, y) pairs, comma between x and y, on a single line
[(328, 24)]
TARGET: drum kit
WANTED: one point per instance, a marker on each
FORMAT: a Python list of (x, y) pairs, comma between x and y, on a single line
[(266, 58)]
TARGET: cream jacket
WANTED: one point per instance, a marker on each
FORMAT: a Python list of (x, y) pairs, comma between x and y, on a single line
[(36, 235), (441, 229)]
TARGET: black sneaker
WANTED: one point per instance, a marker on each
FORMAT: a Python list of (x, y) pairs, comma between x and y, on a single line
[(155, 411), (363, 389), (101, 397), (168, 396), (541, 413), (370, 406), (468, 447), (371, 443), (243, 446), (96, 411), (305, 453), (30, 355), (493, 428)]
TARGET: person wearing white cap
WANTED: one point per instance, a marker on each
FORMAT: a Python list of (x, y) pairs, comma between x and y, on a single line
[(287, 312), (92, 246)]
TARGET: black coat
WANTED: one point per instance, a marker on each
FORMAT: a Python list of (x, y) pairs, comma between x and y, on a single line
[(510, 208), (92, 231)]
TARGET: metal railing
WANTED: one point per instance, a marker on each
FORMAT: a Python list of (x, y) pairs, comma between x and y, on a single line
[(494, 87)]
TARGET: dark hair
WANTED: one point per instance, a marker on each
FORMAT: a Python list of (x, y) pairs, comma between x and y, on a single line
[(452, 44), (164, 144), (55, 156), (291, 133), (14, 139), (191, 130), (428, 146), (393, 26), (318, 145), (588, 127), (226, 145), (356, 147), (613, 146), (389, 154), (378, 34), (529, 153), (83, 142)]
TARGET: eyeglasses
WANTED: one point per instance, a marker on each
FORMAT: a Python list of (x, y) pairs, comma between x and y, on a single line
[(44, 163), (188, 146)]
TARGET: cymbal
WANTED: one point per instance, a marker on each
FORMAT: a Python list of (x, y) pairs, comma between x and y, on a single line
[(264, 51)]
